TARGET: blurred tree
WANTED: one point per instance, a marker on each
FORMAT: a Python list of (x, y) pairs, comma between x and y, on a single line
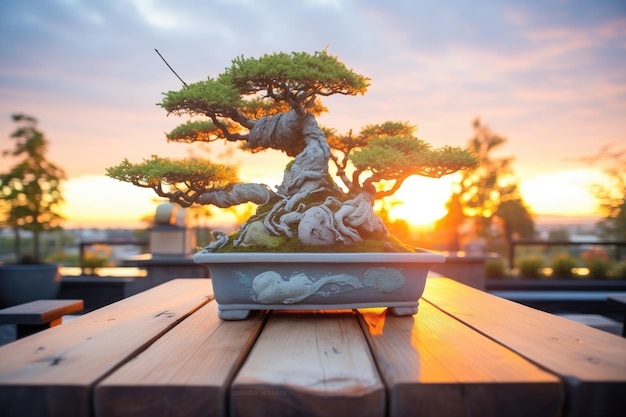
[(448, 227), (489, 195), (611, 196), (516, 220), (31, 190), (481, 190)]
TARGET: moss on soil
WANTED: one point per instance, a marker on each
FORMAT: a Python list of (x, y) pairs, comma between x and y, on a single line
[(286, 244)]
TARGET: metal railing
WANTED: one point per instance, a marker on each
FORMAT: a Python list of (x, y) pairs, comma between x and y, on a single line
[(618, 255)]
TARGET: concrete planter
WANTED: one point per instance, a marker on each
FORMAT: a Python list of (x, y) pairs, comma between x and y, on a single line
[(23, 283), (316, 281)]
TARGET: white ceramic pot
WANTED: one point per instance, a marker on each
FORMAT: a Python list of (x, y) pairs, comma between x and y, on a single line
[(316, 281)]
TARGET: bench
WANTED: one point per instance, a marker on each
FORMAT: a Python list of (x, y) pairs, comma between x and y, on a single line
[(38, 315), (561, 296), (596, 321), (165, 352)]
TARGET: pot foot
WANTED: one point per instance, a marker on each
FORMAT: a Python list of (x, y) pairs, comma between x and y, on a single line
[(232, 314), (404, 311)]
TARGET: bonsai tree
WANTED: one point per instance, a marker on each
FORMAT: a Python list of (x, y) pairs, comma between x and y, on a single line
[(271, 103), (31, 190)]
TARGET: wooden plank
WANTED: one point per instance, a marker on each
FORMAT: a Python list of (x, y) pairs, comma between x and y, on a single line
[(40, 311), (313, 364), (590, 361), (186, 372), (52, 372), (433, 365)]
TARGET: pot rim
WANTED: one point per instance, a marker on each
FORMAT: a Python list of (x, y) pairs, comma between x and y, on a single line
[(300, 257)]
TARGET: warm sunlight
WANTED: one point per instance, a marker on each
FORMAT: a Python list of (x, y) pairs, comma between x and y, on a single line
[(422, 201), (564, 193), (99, 201)]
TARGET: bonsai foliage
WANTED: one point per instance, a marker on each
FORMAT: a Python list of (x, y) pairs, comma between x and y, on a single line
[(31, 190), (271, 103)]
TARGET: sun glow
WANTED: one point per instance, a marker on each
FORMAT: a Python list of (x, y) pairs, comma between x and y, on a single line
[(421, 201), (93, 201), (563, 192), (99, 201)]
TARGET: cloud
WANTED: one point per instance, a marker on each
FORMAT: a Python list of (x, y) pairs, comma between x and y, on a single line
[(544, 73), (156, 14)]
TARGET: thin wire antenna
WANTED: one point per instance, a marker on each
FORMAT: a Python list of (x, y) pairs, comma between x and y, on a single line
[(171, 69)]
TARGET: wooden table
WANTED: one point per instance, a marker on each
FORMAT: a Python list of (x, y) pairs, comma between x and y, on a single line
[(164, 352)]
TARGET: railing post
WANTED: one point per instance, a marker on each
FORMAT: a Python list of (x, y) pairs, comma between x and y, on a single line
[(512, 254)]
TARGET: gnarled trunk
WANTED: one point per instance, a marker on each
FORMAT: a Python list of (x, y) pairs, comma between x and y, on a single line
[(310, 207)]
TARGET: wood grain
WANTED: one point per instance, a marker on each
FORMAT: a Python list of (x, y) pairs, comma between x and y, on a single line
[(590, 361), (313, 364), (51, 373), (434, 365), (187, 372)]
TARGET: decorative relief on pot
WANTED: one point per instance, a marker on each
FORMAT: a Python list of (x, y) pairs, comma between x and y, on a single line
[(385, 280), (270, 287)]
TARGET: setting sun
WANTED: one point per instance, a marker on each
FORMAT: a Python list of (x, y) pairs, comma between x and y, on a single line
[(421, 201)]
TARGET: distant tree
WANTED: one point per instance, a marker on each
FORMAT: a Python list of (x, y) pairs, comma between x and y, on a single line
[(488, 193), (516, 219), (31, 190), (611, 196), (481, 189), (448, 226)]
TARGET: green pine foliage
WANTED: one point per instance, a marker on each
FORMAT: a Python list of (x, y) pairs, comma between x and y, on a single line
[(293, 78), (153, 172), (194, 131), (298, 72), (402, 156), (203, 98)]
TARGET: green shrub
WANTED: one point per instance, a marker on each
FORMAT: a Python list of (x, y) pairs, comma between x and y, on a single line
[(62, 258), (530, 267), (562, 267), (495, 268), (598, 268), (96, 256), (618, 271)]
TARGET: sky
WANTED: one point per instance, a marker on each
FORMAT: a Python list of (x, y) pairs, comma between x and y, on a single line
[(549, 75)]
